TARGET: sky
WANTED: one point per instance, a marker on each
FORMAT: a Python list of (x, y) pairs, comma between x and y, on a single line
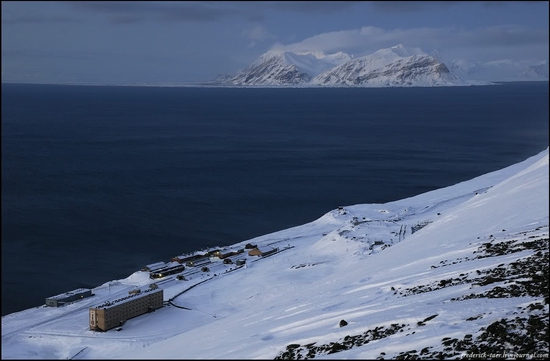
[(362, 264), (179, 42)]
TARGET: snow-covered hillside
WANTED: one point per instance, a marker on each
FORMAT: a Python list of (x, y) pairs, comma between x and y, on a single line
[(455, 271), (500, 70), (396, 66), (283, 67)]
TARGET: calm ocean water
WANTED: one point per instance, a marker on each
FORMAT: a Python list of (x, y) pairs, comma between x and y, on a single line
[(99, 181)]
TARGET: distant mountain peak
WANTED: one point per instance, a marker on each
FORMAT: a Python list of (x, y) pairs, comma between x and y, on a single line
[(404, 51)]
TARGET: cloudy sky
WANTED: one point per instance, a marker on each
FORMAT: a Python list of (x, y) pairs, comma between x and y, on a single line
[(188, 41)]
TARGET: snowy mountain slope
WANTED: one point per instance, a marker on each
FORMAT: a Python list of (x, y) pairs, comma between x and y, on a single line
[(395, 66), (315, 64), (536, 71), (379, 59), (500, 70), (415, 70), (280, 67), (463, 269)]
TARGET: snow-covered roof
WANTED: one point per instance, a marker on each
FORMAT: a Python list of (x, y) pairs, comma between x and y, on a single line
[(129, 297), (69, 293)]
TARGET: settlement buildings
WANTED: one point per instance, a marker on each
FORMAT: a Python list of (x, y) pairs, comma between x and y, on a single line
[(71, 296), (114, 313)]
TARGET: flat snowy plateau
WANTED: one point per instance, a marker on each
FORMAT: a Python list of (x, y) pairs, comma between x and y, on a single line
[(457, 271)]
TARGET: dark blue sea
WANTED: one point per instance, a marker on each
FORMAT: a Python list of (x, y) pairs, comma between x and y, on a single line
[(100, 181)]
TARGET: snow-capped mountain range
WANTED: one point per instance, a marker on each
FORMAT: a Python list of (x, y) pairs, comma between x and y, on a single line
[(395, 66)]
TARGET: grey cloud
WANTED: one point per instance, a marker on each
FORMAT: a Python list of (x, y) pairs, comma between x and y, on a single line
[(45, 54), (188, 11), (408, 6), (512, 40), (128, 12), (126, 19), (494, 4), (36, 19), (203, 11), (398, 6), (503, 36), (324, 7)]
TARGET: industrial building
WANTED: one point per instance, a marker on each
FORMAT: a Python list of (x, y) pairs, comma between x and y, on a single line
[(114, 313), (185, 258), (166, 271), (229, 254), (71, 296), (199, 262), (153, 267)]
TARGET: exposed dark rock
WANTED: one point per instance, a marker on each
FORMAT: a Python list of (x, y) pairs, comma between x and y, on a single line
[(310, 351), (525, 333)]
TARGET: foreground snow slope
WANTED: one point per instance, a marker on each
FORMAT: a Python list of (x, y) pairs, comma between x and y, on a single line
[(435, 275)]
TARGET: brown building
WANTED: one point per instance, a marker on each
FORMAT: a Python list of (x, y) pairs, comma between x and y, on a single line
[(114, 313), (257, 252)]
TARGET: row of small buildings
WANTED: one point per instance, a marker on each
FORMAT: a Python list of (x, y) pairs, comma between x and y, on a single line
[(114, 313), (198, 260), (177, 264)]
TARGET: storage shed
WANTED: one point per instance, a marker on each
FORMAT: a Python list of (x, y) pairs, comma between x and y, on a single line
[(71, 296)]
